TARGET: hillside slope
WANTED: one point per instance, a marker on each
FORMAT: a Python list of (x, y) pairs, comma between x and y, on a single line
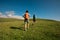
[(8, 19), (41, 30)]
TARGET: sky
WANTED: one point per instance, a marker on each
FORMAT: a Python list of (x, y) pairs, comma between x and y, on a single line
[(46, 9)]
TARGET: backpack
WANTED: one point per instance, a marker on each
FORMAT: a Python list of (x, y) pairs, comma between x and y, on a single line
[(26, 16)]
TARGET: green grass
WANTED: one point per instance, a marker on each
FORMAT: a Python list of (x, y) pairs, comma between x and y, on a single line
[(8, 20), (12, 29)]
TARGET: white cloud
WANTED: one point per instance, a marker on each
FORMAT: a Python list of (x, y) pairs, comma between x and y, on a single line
[(17, 17), (10, 14)]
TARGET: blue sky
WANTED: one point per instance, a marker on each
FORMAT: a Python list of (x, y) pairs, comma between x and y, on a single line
[(47, 9)]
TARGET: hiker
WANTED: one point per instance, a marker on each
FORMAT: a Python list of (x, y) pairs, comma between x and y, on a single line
[(26, 20), (34, 19)]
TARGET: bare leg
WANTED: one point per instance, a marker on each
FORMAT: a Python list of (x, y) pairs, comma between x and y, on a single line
[(25, 26)]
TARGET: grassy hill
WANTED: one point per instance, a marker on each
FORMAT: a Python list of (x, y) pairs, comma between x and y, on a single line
[(12, 29), (8, 19)]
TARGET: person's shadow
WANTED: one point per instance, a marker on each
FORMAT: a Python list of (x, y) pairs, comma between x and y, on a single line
[(14, 27)]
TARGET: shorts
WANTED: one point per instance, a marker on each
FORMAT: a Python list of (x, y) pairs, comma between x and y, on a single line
[(26, 21)]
